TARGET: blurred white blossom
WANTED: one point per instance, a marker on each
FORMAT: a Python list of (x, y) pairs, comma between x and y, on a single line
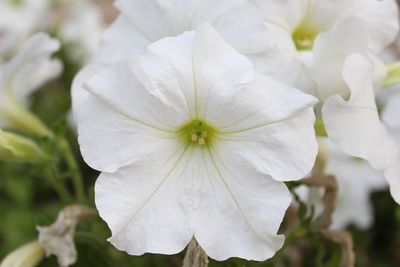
[(345, 72), (190, 143), (26, 72), (18, 20), (295, 25), (391, 117), (356, 180), (330, 49), (77, 23)]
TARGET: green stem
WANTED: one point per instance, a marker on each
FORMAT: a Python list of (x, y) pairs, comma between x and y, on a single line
[(74, 170), (58, 184), (393, 76), (319, 127)]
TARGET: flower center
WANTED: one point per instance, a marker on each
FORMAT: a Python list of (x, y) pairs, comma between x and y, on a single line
[(197, 132), (16, 2), (304, 37)]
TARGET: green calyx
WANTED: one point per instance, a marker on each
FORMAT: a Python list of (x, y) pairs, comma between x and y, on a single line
[(197, 132)]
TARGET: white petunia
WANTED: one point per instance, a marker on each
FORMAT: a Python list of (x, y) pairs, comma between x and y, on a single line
[(295, 25), (142, 22), (346, 75), (356, 180), (18, 20), (21, 76), (390, 116), (80, 27), (191, 142)]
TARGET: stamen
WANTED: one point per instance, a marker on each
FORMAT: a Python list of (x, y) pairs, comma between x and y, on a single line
[(194, 136), (202, 141), (198, 133)]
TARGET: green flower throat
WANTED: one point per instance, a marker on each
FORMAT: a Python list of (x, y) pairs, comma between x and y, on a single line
[(197, 132), (304, 37)]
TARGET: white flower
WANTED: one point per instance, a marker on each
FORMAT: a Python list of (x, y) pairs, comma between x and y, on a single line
[(29, 255), (344, 72), (142, 22), (356, 180), (294, 25), (329, 49), (191, 142), (390, 116), (18, 20), (80, 24), (21, 76)]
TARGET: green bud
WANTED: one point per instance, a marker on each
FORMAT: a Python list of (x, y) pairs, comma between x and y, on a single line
[(29, 255), (17, 148), (15, 116)]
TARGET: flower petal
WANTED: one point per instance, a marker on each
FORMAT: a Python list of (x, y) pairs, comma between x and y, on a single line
[(148, 204), (285, 149), (157, 19), (261, 102), (238, 210), (238, 22), (121, 40), (357, 180), (354, 125), (382, 18), (392, 175), (120, 86), (78, 93), (330, 51), (110, 139), (287, 67), (218, 69), (271, 126), (168, 71), (32, 67)]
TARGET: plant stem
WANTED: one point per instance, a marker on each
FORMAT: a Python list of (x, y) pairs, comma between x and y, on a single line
[(74, 170), (58, 184), (393, 76)]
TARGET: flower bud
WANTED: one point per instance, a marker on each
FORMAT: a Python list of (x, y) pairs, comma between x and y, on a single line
[(17, 148), (29, 255)]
